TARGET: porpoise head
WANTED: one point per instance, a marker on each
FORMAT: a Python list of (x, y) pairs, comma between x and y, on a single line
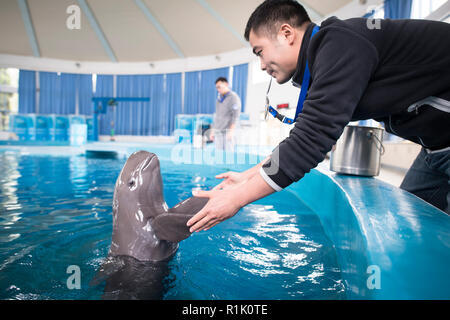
[(140, 179), (138, 199)]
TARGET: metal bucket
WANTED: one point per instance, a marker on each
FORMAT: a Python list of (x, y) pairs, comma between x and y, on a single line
[(358, 151)]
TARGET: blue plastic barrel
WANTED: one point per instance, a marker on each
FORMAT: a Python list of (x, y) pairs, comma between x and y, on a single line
[(31, 124), (184, 121), (78, 134), (19, 125), (202, 122), (62, 126), (182, 136), (77, 119), (183, 125), (43, 127), (90, 128)]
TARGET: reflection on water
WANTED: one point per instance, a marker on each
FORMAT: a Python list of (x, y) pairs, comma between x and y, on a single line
[(56, 212), (8, 188)]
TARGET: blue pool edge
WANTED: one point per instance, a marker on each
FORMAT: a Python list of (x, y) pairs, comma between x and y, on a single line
[(389, 243)]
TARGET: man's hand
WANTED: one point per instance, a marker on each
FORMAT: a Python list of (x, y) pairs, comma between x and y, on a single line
[(232, 179), (225, 203), (221, 206)]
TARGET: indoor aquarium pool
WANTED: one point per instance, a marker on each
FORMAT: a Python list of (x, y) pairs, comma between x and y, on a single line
[(56, 212)]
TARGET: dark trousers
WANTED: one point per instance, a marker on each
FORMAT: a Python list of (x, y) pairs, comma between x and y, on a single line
[(429, 178)]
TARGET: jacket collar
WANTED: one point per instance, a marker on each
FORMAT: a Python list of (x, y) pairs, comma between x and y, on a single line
[(301, 61)]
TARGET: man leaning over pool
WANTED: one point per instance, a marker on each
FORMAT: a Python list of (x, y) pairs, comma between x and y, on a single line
[(398, 74)]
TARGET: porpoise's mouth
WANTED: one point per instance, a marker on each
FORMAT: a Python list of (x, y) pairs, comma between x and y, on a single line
[(150, 179)]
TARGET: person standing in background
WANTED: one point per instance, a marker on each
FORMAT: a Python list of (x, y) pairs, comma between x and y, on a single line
[(228, 109)]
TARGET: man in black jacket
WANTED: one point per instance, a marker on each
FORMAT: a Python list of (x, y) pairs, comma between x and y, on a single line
[(397, 72)]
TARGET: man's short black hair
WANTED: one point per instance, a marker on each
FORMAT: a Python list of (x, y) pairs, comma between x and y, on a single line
[(272, 13), (221, 79)]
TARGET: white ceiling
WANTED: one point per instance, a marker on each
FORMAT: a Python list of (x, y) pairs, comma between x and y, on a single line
[(176, 29)]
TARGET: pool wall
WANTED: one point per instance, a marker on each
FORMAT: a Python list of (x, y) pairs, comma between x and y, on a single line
[(390, 244)]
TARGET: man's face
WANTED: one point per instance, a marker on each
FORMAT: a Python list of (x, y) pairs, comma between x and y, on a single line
[(222, 87), (277, 54)]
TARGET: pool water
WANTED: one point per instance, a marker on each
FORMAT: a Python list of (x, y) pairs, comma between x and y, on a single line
[(55, 212)]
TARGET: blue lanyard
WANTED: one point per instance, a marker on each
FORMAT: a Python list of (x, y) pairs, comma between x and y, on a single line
[(303, 92), (220, 98)]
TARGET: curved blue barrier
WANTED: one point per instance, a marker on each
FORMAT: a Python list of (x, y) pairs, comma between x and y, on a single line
[(380, 230)]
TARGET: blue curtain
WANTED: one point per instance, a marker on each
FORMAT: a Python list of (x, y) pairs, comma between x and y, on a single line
[(49, 93), (27, 91), (192, 92), (124, 89), (85, 94), (132, 116), (156, 122), (240, 75), (57, 93), (397, 9), (67, 103), (156, 117), (142, 118), (173, 101), (104, 87)]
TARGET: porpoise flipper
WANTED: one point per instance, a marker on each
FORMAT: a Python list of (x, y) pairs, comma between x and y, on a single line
[(189, 205), (171, 226)]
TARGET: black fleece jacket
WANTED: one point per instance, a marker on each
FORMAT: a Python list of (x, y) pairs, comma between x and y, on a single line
[(360, 73)]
